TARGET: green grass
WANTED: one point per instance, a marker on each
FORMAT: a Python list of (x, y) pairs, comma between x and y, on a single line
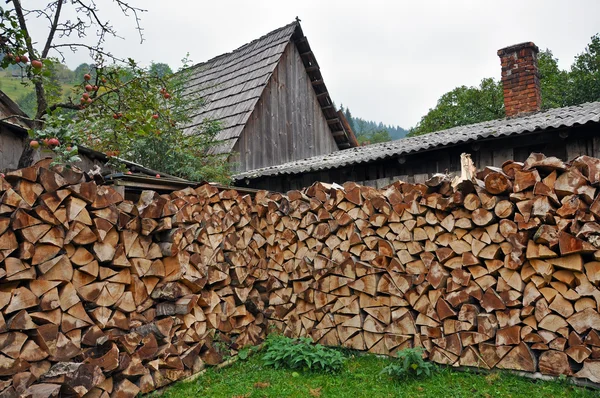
[(15, 89), (12, 86), (361, 378)]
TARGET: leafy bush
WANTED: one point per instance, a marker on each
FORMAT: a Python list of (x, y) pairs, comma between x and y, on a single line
[(246, 352), (140, 115), (301, 353), (410, 363)]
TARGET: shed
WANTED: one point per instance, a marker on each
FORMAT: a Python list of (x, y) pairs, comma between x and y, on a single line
[(13, 132), (563, 132), (271, 101)]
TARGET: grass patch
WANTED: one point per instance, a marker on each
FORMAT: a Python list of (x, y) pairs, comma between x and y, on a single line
[(13, 87), (361, 377)]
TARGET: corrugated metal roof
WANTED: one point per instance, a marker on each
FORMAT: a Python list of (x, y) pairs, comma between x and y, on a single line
[(554, 118)]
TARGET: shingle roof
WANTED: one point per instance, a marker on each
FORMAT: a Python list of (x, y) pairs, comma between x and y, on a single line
[(231, 84), (9, 108), (554, 118)]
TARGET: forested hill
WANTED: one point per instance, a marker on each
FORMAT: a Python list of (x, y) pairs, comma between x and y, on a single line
[(368, 131), (60, 82), (365, 126)]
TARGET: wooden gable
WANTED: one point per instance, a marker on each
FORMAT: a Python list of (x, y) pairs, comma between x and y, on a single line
[(260, 73), (287, 122)]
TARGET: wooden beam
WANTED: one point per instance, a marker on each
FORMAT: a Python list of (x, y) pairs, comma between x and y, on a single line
[(344, 145), (306, 53), (339, 133), (322, 95), (326, 107), (312, 68), (351, 137), (317, 82), (333, 121), (301, 40)]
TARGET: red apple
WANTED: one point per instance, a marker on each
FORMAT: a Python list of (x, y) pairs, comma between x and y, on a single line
[(53, 142), (89, 101), (129, 172), (155, 116), (34, 144), (2, 175), (24, 59), (85, 96), (158, 176), (36, 64), (167, 95), (17, 59), (89, 87), (45, 142), (87, 77)]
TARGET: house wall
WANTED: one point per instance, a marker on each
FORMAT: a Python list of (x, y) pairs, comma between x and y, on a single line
[(11, 147), (582, 140), (287, 123)]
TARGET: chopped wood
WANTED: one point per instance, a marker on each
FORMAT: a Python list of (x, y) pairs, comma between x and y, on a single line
[(499, 269)]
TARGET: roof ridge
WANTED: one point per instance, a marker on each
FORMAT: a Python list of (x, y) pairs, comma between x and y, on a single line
[(273, 32)]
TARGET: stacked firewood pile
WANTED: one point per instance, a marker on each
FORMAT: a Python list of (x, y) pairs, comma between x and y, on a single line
[(97, 295), (501, 271), (100, 296)]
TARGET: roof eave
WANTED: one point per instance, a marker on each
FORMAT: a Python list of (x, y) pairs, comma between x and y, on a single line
[(342, 134)]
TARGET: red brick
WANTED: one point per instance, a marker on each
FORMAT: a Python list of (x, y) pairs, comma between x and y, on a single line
[(520, 79)]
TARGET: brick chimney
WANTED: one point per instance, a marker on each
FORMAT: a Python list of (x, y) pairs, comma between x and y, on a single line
[(520, 79)]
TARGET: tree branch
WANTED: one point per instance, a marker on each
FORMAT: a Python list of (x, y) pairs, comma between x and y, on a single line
[(52, 29), (71, 105), (23, 25), (126, 7), (93, 49), (40, 92), (64, 105), (90, 12)]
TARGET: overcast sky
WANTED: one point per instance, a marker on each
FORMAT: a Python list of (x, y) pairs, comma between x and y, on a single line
[(387, 61)]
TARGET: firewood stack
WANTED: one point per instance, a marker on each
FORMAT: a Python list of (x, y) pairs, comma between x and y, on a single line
[(502, 272), (100, 296), (104, 297)]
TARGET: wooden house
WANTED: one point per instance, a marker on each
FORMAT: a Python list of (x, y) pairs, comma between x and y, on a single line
[(563, 132), (13, 133), (271, 102)]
